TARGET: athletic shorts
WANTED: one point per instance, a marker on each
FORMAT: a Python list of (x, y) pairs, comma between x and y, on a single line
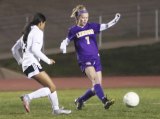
[(33, 70), (96, 63)]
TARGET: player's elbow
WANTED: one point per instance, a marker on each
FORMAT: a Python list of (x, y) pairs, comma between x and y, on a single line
[(34, 50), (13, 50)]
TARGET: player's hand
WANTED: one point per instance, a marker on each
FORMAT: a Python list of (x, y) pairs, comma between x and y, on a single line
[(117, 17), (52, 61), (20, 62), (114, 21), (63, 47)]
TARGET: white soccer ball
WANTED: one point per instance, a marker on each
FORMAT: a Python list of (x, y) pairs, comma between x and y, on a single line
[(131, 99)]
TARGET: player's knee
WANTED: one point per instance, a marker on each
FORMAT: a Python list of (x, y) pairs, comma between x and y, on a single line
[(92, 77), (95, 82), (52, 88)]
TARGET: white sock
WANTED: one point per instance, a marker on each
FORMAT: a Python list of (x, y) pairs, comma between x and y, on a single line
[(54, 100), (42, 92)]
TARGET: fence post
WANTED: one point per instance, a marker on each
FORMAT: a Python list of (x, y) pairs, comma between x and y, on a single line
[(156, 26), (100, 35), (138, 20)]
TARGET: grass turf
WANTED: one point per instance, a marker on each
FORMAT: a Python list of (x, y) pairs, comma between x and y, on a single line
[(11, 107)]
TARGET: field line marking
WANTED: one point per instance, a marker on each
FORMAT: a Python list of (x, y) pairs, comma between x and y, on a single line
[(156, 103)]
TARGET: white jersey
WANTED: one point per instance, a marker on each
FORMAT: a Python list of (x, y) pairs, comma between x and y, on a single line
[(30, 53)]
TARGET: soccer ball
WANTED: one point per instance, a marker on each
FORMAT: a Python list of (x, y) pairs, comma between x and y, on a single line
[(131, 99)]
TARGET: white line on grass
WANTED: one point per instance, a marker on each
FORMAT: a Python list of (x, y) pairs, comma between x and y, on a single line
[(157, 103)]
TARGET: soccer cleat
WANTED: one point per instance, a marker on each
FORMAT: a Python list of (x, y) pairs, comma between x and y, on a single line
[(61, 111), (25, 99), (109, 103), (78, 104)]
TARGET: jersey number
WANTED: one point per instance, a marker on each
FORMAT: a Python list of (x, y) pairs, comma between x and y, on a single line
[(87, 38)]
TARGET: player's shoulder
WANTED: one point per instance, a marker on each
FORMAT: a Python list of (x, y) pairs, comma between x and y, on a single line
[(35, 29), (92, 23), (72, 27)]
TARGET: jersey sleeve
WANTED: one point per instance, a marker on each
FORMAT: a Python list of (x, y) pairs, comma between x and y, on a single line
[(71, 35), (96, 27), (17, 51), (36, 48), (103, 27)]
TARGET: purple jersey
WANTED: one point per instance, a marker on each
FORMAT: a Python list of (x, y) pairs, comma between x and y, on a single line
[(85, 40)]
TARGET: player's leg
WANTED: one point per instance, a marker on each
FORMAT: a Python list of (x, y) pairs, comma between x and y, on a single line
[(49, 90), (46, 81), (88, 94), (99, 75), (106, 101), (36, 72), (42, 92), (92, 75), (90, 72)]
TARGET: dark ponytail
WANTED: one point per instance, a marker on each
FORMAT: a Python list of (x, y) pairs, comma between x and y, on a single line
[(37, 18)]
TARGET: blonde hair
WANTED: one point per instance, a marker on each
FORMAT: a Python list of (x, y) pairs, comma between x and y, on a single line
[(76, 10)]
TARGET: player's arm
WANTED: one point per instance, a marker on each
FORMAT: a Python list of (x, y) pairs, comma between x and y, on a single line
[(16, 51), (111, 23), (66, 41), (64, 44), (36, 49)]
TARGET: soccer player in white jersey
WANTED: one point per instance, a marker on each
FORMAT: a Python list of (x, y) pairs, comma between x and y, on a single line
[(83, 34), (30, 43)]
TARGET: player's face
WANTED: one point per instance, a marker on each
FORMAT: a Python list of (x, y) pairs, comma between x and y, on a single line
[(83, 19), (42, 25)]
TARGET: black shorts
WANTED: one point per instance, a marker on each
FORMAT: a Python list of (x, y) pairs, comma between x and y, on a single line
[(33, 70)]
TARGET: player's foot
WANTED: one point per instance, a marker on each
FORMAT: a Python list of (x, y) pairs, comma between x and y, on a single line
[(25, 99), (109, 103), (61, 111), (79, 104)]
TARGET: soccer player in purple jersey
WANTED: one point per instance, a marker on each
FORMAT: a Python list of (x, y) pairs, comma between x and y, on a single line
[(84, 36)]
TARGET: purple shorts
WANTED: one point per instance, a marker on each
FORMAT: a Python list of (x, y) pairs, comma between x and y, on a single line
[(96, 63)]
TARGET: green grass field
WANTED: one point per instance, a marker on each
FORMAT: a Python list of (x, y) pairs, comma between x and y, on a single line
[(11, 107)]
